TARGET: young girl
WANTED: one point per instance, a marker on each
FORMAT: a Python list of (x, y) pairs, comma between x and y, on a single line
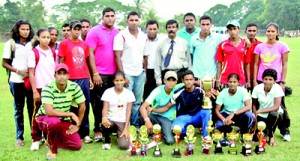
[(41, 71), (266, 102), (273, 54), (53, 44), (117, 104), (236, 109)]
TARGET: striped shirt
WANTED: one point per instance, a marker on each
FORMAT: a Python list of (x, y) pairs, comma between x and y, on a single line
[(61, 101)]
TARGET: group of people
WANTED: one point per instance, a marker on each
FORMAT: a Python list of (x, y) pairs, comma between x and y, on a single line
[(133, 78)]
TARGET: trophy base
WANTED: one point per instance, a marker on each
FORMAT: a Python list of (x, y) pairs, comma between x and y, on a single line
[(133, 153), (176, 153), (259, 150), (218, 150), (205, 151), (246, 151), (188, 152), (157, 153), (232, 151)]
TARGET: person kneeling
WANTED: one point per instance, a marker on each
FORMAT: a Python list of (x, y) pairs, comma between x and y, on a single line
[(54, 117)]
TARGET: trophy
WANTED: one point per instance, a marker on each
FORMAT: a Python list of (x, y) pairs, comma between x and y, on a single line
[(132, 133), (232, 137), (157, 138), (207, 141), (260, 148), (207, 83), (190, 140), (217, 136), (247, 147), (176, 152), (144, 140)]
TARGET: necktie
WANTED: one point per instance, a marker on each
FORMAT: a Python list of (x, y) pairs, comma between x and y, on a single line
[(169, 54)]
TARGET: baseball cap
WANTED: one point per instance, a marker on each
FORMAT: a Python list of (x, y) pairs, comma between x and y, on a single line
[(61, 66), (170, 74), (233, 23), (75, 23)]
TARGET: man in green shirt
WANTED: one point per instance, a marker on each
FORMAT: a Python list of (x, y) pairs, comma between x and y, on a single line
[(54, 117), (189, 30)]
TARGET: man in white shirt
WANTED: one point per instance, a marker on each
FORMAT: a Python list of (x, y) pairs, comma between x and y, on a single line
[(129, 47)]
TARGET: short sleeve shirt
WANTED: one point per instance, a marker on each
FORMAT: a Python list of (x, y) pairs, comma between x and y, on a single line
[(117, 103), (61, 101), (271, 57), (266, 100), (234, 102)]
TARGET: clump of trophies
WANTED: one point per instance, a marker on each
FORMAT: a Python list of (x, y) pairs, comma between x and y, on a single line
[(214, 137)]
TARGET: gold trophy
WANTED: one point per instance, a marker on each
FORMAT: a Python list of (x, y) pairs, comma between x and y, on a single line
[(176, 152), (144, 140), (247, 147), (207, 83), (157, 138), (207, 141), (232, 137), (133, 137), (260, 148), (217, 136), (190, 140)]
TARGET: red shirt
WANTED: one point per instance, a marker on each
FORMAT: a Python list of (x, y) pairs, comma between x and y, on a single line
[(75, 54), (251, 53), (232, 59)]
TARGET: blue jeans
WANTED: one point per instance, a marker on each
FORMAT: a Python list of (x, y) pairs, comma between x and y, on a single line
[(243, 121), (200, 119), (19, 93), (165, 124), (136, 85), (85, 87)]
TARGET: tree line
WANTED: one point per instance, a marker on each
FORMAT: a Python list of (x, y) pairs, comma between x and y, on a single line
[(285, 13)]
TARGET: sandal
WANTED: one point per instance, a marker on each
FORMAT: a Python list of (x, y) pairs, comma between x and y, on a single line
[(272, 142), (19, 143), (51, 156)]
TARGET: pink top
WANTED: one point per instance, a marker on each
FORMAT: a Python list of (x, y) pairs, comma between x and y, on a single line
[(44, 70), (102, 40), (270, 57)]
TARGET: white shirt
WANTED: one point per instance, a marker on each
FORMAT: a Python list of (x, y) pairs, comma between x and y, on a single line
[(267, 100), (150, 50), (117, 103), (180, 58), (19, 61), (133, 51)]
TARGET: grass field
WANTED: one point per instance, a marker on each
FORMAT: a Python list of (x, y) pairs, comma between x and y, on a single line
[(282, 151)]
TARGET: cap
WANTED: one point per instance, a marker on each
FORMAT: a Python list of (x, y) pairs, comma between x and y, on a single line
[(170, 74), (75, 23), (61, 66), (233, 23)]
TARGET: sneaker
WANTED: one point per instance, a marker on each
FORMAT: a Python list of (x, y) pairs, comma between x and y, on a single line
[(106, 146), (87, 139), (98, 137), (35, 146), (287, 137), (19, 143), (114, 134)]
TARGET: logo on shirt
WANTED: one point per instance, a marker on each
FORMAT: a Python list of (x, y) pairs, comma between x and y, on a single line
[(268, 59), (78, 56)]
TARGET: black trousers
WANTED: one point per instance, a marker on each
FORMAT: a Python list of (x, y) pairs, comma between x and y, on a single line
[(271, 122), (150, 83)]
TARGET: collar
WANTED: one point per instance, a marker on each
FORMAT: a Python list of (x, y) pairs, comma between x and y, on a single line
[(104, 28), (19, 42), (53, 83)]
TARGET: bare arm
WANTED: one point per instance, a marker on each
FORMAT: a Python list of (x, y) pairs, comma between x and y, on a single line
[(6, 65), (218, 113), (163, 109), (36, 94), (61, 60), (105, 121), (218, 80), (145, 63), (248, 75), (255, 69), (284, 67), (81, 110), (118, 55), (143, 110)]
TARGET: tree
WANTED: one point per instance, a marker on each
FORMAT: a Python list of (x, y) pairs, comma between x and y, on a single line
[(218, 14), (10, 13), (34, 11)]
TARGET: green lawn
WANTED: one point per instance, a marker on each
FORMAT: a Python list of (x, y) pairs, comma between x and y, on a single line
[(283, 151)]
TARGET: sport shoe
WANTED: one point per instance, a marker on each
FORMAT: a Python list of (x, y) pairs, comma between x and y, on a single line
[(35, 146), (87, 139), (287, 137), (19, 143), (106, 146), (98, 137)]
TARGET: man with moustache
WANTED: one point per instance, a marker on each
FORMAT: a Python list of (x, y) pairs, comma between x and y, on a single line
[(172, 54), (66, 30), (189, 30), (85, 23), (150, 50), (129, 53), (100, 41)]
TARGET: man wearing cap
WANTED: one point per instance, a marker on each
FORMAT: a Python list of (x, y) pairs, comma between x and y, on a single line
[(54, 117), (189, 101), (75, 53), (159, 98), (231, 56)]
